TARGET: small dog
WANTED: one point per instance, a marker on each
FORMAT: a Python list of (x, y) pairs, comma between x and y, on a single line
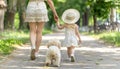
[(53, 55)]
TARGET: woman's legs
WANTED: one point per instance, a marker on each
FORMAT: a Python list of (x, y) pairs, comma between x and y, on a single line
[(32, 34), (39, 35), (35, 37), (32, 39)]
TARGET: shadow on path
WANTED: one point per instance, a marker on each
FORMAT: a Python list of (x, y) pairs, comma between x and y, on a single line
[(90, 55)]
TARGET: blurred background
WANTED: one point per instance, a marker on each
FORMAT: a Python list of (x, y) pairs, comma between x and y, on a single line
[(97, 17)]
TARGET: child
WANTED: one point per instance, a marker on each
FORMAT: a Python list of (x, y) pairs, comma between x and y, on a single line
[(72, 36)]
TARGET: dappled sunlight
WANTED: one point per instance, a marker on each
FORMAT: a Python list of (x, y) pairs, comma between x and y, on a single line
[(102, 49), (91, 54), (58, 36), (108, 65), (62, 1)]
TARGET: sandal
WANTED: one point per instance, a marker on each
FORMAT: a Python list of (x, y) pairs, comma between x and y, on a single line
[(72, 59), (32, 57)]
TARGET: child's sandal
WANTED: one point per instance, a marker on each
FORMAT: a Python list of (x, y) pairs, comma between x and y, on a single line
[(72, 59)]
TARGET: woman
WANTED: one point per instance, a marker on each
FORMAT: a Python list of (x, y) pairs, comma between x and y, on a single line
[(36, 16)]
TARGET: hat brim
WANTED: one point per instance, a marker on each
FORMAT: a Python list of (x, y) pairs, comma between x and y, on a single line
[(77, 16)]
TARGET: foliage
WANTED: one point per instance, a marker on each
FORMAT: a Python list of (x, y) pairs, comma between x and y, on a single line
[(16, 24), (113, 38), (108, 37), (9, 39), (100, 8), (77, 4)]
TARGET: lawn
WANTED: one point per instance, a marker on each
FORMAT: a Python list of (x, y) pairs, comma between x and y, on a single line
[(9, 39), (108, 37)]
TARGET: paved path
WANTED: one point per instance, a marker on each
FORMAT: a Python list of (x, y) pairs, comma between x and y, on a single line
[(91, 55)]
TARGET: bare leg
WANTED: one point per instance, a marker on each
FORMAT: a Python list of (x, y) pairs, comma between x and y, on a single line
[(39, 35), (32, 39), (35, 37), (70, 51), (32, 34)]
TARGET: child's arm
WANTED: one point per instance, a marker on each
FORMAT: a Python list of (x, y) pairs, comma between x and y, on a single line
[(77, 33)]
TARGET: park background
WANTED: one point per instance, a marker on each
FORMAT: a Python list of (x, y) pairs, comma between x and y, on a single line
[(99, 18)]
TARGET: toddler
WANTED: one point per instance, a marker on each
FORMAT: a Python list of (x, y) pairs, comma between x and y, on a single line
[(72, 35)]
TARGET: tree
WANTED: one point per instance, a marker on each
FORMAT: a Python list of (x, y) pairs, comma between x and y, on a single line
[(2, 11), (99, 9), (21, 7), (10, 14), (79, 5)]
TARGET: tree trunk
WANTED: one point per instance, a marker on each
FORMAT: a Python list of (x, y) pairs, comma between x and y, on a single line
[(95, 23), (112, 15), (10, 14), (78, 22), (21, 5), (21, 22), (9, 20), (113, 19), (85, 18), (1, 20)]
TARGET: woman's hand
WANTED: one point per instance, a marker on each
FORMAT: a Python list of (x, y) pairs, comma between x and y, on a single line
[(56, 18), (51, 4)]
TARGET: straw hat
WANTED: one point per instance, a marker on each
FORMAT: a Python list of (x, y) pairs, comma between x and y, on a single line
[(70, 16)]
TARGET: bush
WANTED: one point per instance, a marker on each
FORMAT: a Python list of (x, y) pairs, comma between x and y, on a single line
[(113, 38)]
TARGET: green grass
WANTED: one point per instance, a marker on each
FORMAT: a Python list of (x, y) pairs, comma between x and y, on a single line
[(113, 38), (9, 39), (109, 37), (16, 21)]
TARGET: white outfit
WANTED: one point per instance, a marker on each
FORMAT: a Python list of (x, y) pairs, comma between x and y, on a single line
[(36, 11), (53, 53), (70, 38)]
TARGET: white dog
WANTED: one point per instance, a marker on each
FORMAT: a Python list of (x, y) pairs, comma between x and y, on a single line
[(53, 55)]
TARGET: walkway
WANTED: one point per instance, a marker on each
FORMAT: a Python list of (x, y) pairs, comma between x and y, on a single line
[(90, 55)]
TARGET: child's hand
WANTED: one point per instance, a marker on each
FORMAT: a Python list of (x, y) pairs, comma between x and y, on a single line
[(59, 26)]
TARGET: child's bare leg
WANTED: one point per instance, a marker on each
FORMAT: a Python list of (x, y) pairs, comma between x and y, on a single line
[(70, 51)]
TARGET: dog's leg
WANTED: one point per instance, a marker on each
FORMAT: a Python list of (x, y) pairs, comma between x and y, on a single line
[(48, 61), (57, 61)]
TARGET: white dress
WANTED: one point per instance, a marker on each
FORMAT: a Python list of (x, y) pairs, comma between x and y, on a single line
[(70, 38), (36, 11)]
